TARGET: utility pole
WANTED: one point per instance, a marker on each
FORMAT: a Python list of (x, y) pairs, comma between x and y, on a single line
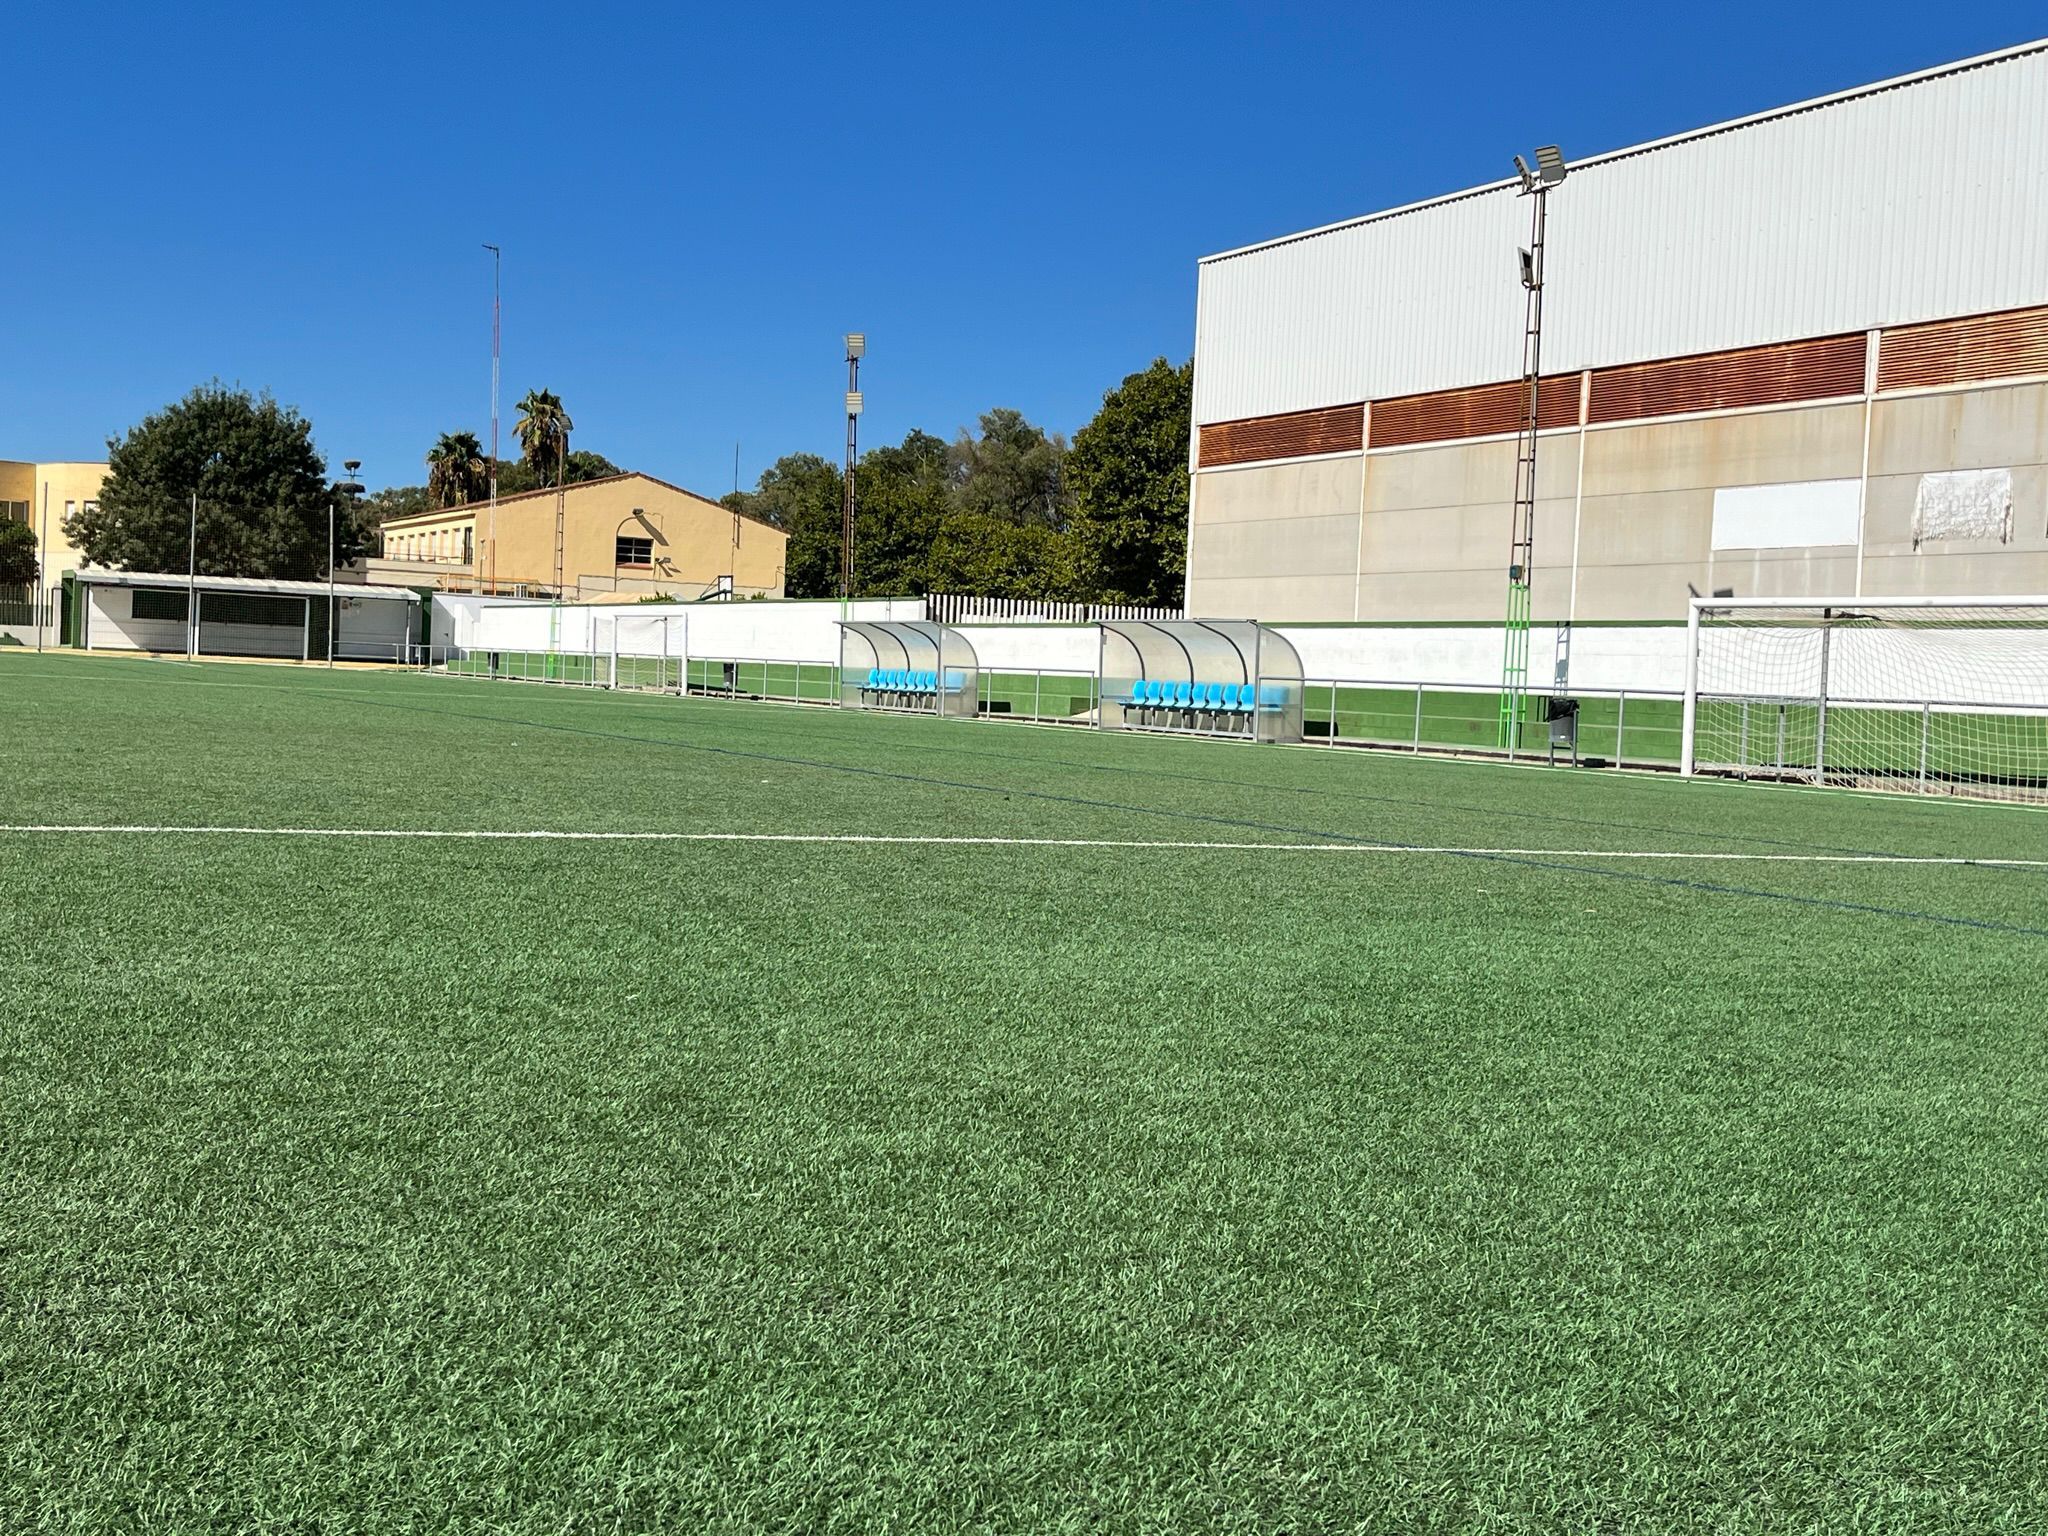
[(491, 540), (856, 349)]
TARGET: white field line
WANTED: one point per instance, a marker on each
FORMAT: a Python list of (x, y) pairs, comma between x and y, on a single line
[(864, 839)]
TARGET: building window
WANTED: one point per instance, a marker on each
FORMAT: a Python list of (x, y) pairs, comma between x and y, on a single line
[(14, 511), (468, 545), (634, 551), (157, 603)]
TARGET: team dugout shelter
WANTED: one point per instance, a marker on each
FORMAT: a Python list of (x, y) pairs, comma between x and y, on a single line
[(1212, 677), (109, 610), (908, 665)]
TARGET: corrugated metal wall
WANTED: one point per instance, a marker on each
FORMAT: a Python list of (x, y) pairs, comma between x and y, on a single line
[(1917, 202)]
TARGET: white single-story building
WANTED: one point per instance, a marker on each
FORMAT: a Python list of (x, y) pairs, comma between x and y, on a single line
[(238, 616)]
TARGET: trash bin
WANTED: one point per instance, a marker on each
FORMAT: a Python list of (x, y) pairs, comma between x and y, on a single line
[(1564, 727)]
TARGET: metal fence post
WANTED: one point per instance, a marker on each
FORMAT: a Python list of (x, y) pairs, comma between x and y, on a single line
[(1620, 728), (1037, 692), (1415, 743), (1926, 729)]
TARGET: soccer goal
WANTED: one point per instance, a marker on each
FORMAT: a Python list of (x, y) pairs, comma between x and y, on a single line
[(1944, 695)]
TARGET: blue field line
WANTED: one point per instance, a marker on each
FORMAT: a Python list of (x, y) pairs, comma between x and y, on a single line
[(899, 776)]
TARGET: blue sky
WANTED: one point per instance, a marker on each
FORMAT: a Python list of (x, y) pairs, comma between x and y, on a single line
[(696, 201)]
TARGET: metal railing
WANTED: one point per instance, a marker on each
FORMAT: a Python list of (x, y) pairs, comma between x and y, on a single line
[(1054, 695), (745, 677), (792, 682), (1615, 726)]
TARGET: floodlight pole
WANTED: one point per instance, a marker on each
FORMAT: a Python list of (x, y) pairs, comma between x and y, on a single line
[(192, 579), (43, 569), (1514, 679), (856, 348), (348, 487)]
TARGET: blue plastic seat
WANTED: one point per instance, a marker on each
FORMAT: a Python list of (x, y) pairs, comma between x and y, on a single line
[(1212, 696), (931, 681)]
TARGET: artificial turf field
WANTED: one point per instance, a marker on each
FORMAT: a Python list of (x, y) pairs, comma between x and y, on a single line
[(580, 1185)]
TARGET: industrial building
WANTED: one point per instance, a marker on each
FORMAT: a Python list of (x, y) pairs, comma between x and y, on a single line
[(1804, 353), (624, 534)]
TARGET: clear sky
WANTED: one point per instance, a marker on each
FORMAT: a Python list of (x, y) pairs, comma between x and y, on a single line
[(695, 201)]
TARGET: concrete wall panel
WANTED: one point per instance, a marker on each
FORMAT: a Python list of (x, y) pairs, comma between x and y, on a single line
[(1753, 448), (1309, 599)]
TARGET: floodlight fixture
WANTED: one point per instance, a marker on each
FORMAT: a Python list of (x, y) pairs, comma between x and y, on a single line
[(1530, 276), (853, 402), (856, 345), (1549, 164), (1528, 176)]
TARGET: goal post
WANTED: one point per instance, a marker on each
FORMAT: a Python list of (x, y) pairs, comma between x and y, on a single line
[(1933, 695)]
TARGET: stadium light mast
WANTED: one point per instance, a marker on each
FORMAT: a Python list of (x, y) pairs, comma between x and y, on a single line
[(1514, 672), (856, 349), (349, 488), (192, 561), (491, 539)]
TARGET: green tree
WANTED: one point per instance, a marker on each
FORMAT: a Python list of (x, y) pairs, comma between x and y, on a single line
[(516, 476), (583, 465), (991, 557), (263, 492), (1129, 476), (457, 472), (902, 495), (17, 555), (515, 479), (800, 494), (1013, 471), (543, 430)]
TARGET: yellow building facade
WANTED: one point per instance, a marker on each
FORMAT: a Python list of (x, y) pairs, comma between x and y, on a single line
[(627, 533), (30, 490)]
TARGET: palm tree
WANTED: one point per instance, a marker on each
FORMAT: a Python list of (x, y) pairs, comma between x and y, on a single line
[(456, 471), (543, 429)]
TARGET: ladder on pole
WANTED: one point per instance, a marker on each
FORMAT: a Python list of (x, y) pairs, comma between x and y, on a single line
[(1514, 671)]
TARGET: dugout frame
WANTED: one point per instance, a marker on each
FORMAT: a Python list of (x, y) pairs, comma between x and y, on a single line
[(908, 666), (1199, 677)]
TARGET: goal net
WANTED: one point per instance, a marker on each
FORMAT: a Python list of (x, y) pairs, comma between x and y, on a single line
[(1936, 695)]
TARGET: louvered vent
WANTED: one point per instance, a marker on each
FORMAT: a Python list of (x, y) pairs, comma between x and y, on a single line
[(1823, 369), (1485, 410), (1961, 351), (1340, 429)]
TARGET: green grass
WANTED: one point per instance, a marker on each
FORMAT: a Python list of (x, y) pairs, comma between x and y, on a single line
[(386, 1185)]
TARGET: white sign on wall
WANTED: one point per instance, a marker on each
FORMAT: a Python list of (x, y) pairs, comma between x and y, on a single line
[(1795, 516)]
